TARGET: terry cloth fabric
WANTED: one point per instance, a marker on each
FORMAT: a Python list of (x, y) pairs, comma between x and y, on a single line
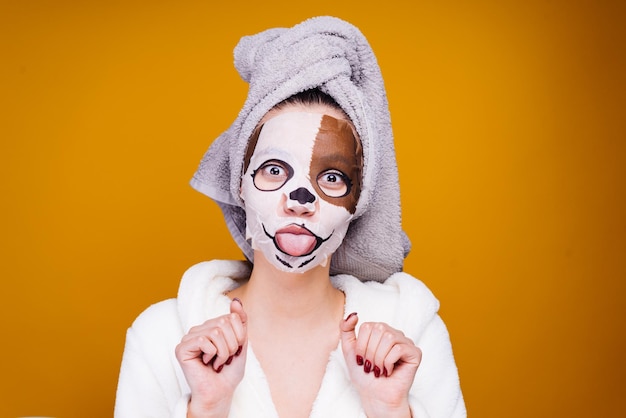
[(332, 55), (152, 384)]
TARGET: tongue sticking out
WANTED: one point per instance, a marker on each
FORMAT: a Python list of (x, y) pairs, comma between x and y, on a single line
[(295, 242)]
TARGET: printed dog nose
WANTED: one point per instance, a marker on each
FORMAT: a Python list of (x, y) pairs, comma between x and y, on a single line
[(302, 195)]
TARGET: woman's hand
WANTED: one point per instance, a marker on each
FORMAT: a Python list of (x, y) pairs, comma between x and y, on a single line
[(213, 359), (382, 363)]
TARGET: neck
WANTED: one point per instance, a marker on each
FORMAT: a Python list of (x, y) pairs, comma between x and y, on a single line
[(290, 297)]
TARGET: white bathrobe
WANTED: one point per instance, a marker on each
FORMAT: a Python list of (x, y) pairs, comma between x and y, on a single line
[(152, 384)]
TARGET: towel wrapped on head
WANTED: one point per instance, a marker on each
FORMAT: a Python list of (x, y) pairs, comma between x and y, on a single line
[(333, 56)]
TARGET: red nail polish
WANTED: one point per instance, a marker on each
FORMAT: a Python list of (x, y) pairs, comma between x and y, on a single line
[(219, 369), (350, 316), (368, 366), (359, 360), (385, 372), (238, 351), (376, 371), (230, 360), (238, 300)]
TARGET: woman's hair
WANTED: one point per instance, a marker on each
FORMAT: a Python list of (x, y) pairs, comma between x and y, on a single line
[(311, 97)]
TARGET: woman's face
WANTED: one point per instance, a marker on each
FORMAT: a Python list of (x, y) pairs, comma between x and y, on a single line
[(301, 186)]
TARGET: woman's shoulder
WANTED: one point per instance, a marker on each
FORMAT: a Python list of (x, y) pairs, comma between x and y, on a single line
[(203, 288), (396, 288), (213, 276), (200, 294), (402, 300), (162, 312), (155, 331)]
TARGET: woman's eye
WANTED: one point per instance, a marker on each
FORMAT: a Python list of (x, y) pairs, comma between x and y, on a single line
[(274, 170), (333, 183), (271, 175)]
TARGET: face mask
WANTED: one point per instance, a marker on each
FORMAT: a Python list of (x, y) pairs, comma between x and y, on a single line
[(300, 188)]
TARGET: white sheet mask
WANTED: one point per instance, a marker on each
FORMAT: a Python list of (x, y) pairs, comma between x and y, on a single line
[(300, 189)]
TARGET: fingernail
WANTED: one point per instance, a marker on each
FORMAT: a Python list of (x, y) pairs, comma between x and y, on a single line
[(219, 369), (350, 316), (238, 351), (230, 360), (359, 360), (385, 372), (376, 371), (239, 300), (368, 366)]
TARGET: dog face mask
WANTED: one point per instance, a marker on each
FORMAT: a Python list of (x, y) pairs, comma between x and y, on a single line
[(301, 185)]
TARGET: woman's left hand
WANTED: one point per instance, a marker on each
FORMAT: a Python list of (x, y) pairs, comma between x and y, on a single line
[(382, 363)]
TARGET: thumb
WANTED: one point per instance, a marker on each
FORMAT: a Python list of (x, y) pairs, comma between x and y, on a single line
[(236, 306), (348, 335)]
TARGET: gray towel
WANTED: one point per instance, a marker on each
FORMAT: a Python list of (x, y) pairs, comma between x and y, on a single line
[(332, 55)]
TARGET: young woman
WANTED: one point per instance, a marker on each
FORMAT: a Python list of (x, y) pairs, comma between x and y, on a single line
[(319, 321)]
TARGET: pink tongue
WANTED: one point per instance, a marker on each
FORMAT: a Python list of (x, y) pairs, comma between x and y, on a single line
[(295, 244)]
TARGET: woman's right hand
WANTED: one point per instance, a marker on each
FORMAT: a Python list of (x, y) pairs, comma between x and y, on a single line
[(213, 359)]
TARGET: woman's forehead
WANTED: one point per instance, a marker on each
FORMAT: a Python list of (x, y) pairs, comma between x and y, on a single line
[(299, 133), (319, 108), (289, 131), (296, 132)]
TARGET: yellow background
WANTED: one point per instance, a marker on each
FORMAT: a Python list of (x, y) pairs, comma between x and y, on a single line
[(509, 119)]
